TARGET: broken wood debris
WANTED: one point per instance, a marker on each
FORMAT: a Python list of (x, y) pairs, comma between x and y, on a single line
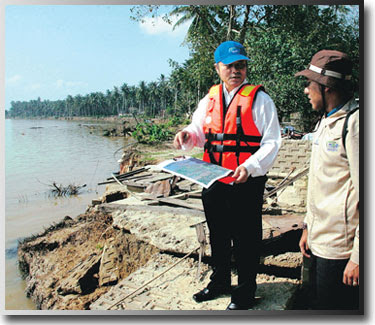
[(160, 188), (123, 176), (171, 192), (108, 272), (285, 183), (61, 190), (177, 202), (75, 282), (202, 239)]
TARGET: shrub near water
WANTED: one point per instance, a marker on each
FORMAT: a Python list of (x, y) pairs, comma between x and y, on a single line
[(150, 133), (177, 121)]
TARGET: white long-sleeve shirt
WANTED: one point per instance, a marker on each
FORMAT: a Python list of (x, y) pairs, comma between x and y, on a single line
[(265, 119)]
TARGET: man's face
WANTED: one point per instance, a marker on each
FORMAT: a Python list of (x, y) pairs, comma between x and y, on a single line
[(232, 74), (312, 90)]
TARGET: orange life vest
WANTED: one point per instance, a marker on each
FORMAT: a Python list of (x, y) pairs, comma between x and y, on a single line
[(231, 137)]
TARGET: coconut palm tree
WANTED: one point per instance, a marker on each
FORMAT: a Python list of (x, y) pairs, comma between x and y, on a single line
[(125, 92), (141, 96)]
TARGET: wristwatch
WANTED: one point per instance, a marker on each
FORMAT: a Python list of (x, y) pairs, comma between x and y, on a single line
[(304, 226)]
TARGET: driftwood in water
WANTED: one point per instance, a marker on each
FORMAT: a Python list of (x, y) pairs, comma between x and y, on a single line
[(60, 190)]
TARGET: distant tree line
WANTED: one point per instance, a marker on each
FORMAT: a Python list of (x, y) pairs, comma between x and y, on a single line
[(280, 40), (148, 99)]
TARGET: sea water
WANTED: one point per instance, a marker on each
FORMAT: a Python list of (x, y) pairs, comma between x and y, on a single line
[(37, 154)]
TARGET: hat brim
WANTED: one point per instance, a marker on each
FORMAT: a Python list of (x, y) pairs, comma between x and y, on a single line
[(323, 80), (306, 73), (234, 58), (311, 75)]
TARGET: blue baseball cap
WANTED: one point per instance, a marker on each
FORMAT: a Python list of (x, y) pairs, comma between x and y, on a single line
[(229, 52)]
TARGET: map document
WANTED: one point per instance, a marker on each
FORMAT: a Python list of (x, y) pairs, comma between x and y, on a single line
[(196, 170)]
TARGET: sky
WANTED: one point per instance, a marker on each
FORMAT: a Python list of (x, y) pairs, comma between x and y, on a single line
[(52, 51)]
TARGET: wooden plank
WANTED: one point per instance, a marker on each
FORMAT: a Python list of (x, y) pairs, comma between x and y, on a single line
[(138, 185), (131, 173), (136, 178), (178, 202), (284, 222), (286, 183), (125, 176), (186, 195), (161, 178)]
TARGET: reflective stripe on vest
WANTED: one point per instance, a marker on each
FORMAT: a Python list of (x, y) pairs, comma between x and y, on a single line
[(231, 142)]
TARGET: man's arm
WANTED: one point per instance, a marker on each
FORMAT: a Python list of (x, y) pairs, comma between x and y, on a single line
[(351, 272), (266, 120), (193, 135), (304, 247)]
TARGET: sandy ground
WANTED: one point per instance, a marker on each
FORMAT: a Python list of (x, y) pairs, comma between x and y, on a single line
[(114, 256), (67, 265)]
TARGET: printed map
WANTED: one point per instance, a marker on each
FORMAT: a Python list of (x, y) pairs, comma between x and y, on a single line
[(195, 170)]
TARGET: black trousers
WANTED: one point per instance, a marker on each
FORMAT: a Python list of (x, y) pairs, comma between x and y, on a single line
[(234, 218), (328, 290)]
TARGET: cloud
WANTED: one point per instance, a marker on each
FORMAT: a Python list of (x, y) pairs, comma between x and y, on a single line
[(156, 26), (59, 83), (35, 86), (69, 84), (14, 79)]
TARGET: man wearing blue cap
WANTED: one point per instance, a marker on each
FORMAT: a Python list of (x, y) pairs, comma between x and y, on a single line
[(237, 125)]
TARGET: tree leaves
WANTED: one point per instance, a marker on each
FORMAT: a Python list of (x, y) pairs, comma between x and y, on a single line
[(280, 40)]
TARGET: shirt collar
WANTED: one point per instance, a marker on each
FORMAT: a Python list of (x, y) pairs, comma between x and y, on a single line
[(229, 95), (337, 108)]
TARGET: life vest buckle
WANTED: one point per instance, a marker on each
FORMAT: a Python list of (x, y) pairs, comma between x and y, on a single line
[(219, 148), (219, 136)]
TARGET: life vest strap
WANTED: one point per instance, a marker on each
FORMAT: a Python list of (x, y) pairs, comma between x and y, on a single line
[(224, 148), (230, 136)]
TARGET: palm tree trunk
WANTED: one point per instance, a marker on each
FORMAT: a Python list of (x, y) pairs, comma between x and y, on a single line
[(231, 18), (244, 25)]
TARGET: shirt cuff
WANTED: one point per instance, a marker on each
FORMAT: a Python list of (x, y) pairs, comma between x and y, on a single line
[(251, 166), (355, 253)]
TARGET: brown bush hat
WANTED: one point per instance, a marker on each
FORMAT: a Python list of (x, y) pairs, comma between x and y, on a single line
[(329, 68)]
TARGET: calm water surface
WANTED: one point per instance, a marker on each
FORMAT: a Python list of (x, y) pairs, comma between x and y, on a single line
[(38, 153)]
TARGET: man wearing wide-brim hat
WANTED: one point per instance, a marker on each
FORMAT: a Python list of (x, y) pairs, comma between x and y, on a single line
[(330, 240)]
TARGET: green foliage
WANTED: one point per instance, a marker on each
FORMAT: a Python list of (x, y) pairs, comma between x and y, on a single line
[(151, 133), (287, 47), (176, 121), (280, 40)]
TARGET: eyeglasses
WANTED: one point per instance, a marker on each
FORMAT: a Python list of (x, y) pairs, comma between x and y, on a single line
[(308, 83), (237, 65)]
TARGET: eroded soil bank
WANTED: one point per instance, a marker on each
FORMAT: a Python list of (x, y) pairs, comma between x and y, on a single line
[(108, 252), (123, 253), (62, 265)]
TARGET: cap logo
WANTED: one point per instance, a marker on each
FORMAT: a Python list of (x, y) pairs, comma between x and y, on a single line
[(233, 50)]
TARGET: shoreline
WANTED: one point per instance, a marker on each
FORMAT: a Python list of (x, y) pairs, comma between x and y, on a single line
[(136, 248), (114, 226), (97, 239), (35, 158)]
